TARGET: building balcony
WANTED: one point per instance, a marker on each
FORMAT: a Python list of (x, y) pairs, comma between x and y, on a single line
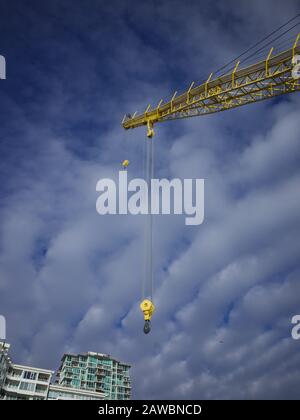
[(13, 376), (9, 387), (41, 391), (43, 379)]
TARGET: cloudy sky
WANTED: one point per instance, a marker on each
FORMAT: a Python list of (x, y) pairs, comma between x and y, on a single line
[(70, 280)]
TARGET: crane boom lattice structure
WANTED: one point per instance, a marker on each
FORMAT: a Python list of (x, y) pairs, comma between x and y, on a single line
[(266, 79)]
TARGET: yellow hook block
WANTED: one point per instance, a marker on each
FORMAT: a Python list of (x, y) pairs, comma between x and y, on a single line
[(147, 307)]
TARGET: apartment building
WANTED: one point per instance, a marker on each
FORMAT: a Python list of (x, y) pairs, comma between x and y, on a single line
[(26, 383), (96, 372), (91, 376)]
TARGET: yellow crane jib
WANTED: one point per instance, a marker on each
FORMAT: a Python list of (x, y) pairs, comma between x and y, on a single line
[(267, 78), (148, 308)]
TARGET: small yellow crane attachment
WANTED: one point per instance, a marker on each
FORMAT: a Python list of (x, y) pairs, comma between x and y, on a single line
[(125, 164), (147, 307)]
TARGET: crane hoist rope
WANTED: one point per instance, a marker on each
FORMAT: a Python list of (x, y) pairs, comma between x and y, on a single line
[(147, 305)]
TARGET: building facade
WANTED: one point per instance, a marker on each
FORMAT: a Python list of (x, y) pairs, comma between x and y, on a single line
[(57, 392), (4, 363), (96, 372), (90, 376), (26, 383)]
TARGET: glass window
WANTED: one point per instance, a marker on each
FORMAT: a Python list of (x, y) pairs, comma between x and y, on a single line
[(27, 386), (29, 375), (76, 382)]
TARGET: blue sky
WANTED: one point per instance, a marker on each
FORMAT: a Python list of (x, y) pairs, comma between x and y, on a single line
[(70, 280)]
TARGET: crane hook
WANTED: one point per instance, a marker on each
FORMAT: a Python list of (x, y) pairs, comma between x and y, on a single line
[(147, 327)]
